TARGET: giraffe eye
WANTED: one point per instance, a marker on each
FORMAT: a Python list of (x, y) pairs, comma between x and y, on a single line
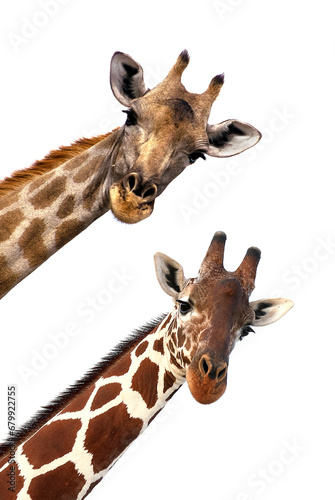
[(131, 117), (197, 154), (184, 307), (246, 330)]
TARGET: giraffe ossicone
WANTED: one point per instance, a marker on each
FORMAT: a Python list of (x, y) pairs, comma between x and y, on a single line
[(42, 208), (67, 449)]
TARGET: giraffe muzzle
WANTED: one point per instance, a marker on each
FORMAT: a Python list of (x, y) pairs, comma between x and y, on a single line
[(131, 200), (207, 378)]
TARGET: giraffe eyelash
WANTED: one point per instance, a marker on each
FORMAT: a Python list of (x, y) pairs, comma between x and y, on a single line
[(246, 330)]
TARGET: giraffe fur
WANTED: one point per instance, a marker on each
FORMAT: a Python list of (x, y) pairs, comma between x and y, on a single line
[(67, 449), (45, 206)]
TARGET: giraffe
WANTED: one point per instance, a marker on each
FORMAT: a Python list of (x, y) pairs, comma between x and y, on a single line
[(43, 207), (67, 449)]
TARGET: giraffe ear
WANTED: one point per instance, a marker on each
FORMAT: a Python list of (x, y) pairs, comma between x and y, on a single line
[(230, 138), (170, 274), (269, 310), (126, 78)]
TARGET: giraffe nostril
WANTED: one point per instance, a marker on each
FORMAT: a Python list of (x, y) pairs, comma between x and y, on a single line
[(204, 366), (221, 374), (149, 193), (131, 182), (215, 371)]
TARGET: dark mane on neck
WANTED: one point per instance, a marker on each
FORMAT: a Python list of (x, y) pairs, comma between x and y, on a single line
[(52, 160), (49, 411)]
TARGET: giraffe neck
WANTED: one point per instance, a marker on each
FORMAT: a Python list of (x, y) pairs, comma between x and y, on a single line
[(51, 206), (83, 440)]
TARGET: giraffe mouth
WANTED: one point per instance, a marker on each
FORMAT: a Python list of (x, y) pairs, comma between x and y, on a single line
[(205, 387), (127, 206)]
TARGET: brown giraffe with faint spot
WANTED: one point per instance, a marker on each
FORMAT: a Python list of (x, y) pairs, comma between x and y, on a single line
[(44, 207), (67, 449)]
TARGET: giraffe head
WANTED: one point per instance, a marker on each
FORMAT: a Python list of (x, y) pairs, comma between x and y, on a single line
[(165, 131), (213, 313)]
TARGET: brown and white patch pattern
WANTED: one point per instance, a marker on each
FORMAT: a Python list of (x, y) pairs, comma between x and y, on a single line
[(83, 441), (48, 206)]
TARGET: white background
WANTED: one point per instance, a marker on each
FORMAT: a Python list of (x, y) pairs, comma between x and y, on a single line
[(278, 62)]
